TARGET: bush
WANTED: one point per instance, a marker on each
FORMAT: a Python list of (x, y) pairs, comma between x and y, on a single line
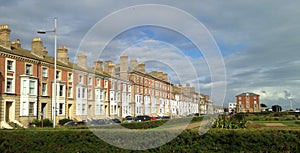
[(215, 140), (38, 123), (63, 121)]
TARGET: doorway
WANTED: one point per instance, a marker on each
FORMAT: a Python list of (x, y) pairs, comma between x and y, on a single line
[(69, 111), (44, 112), (9, 112)]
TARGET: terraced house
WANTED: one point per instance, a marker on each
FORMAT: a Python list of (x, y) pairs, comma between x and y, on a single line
[(83, 92)]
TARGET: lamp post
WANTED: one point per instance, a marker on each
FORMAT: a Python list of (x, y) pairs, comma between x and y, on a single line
[(55, 50)]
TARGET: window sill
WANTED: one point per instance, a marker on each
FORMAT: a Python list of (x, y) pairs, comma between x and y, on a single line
[(10, 93)]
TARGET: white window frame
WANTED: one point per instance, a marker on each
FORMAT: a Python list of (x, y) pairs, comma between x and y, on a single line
[(30, 69), (58, 76), (46, 73), (70, 77), (44, 92), (32, 89), (70, 92), (12, 88), (90, 81), (80, 79), (61, 92), (12, 66)]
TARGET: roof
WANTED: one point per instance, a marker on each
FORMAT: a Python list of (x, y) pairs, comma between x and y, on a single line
[(48, 59), (247, 94)]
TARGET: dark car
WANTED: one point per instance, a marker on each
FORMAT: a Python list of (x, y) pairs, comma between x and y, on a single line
[(140, 118), (98, 122), (113, 121)]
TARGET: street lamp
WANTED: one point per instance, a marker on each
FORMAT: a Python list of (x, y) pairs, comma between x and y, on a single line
[(54, 101)]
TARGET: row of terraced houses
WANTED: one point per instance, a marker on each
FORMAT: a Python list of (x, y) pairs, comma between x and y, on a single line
[(102, 91)]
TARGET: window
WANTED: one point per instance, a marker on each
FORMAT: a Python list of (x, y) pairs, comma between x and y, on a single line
[(61, 90), (98, 82), (70, 95), (80, 79), (70, 77), (9, 85), (58, 73), (44, 89), (28, 69), (31, 87), (44, 72), (60, 108), (105, 84), (31, 108), (90, 81), (10, 65), (78, 93), (83, 92), (89, 93), (25, 86)]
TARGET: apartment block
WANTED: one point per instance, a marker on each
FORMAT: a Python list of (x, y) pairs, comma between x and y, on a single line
[(247, 102), (105, 90)]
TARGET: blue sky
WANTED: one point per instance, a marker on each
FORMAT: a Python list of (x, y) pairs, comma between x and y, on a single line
[(259, 40)]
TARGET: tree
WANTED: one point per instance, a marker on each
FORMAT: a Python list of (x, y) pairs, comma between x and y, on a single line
[(276, 108), (263, 105)]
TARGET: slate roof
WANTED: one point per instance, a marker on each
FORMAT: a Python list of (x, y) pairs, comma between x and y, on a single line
[(247, 94), (48, 59)]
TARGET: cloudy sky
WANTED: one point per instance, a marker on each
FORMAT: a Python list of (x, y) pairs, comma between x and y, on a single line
[(258, 41)]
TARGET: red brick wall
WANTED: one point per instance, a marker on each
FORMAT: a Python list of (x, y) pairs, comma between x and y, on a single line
[(2, 75)]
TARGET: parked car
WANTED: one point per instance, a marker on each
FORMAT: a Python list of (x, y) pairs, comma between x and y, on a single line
[(113, 121), (74, 123), (153, 118), (98, 122), (71, 123), (162, 117), (129, 119), (140, 118)]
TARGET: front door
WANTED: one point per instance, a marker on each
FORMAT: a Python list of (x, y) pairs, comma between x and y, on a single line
[(69, 111), (44, 110), (9, 115)]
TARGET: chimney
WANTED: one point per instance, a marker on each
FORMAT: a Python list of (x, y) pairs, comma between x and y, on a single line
[(16, 43), (81, 60), (45, 52), (159, 75), (109, 67), (98, 66), (124, 67), (133, 64), (62, 54), (165, 77), (154, 74), (141, 67), (37, 47), (5, 36)]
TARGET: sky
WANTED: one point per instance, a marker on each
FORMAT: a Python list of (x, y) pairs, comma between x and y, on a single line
[(258, 40)]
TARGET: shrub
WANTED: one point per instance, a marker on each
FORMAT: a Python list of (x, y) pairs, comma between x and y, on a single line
[(38, 123), (215, 140)]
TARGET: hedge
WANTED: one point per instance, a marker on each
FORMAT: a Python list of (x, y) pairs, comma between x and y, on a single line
[(215, 140)]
